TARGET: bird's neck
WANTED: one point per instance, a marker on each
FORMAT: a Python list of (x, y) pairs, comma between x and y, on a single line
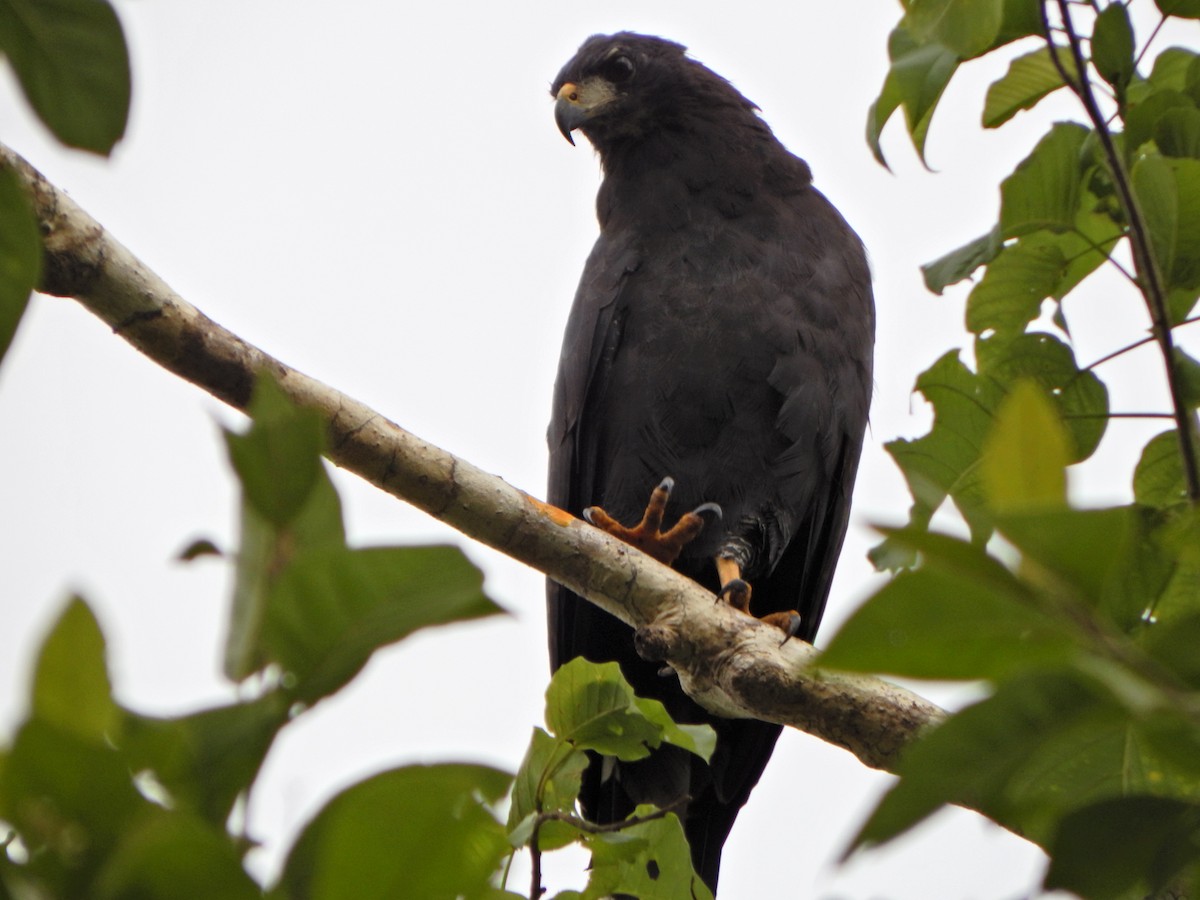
[(668, 179)]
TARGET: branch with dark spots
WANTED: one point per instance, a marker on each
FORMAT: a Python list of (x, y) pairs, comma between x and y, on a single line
[(728, 661)]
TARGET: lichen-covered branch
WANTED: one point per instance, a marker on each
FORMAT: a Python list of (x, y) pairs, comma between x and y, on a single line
[(729, 662)]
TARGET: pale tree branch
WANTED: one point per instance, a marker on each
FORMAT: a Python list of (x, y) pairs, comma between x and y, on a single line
[(729, 662)]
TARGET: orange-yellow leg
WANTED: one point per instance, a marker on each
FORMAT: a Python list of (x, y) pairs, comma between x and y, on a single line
[(737, 591), (733, 587), (647, 535)]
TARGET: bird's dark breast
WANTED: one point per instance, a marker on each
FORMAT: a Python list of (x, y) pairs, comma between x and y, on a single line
[(715, 347)]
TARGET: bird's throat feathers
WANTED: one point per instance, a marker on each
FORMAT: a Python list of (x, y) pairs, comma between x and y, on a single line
[(714, 164)]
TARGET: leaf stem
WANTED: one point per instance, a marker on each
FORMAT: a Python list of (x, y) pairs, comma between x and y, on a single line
[(1146, 340), (1150, 40), (1145, 264), (535, 853), (592, 828)]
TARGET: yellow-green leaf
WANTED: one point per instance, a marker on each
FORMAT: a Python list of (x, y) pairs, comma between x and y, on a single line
[(1026, 454)]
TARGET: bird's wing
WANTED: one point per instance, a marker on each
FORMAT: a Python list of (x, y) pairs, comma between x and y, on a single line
[(823, 374), (592, 334)]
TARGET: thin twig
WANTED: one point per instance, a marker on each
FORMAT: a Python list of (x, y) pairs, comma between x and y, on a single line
[(1146, 340), (593, 828), (1098, 248), (1157, 28), (1145, 263), (535, 888), (535, 852)]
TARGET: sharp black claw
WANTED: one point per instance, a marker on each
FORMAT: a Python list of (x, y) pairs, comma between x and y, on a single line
[(792, 630), (714, 508), (587, 516), (734, 584), (666, 672), (667, 484)]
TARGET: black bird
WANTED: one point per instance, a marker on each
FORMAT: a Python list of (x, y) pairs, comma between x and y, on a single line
[(721, 335)]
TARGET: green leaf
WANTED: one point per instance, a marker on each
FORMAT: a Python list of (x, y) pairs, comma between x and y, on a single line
[(967, 27), (1187, 372), (700, 740), (69, 798), (1177, 132), (1186, 9), (1168, 191), (1081, 397), (331, 609), (1021, 19), (71, 688), (1113, 46), (1158, 479), (1026, 454), (1172, 67), (281, 466), (71, 60), (175, 856), (205, 760), (419, 831), (20, 256), (1010, 294), (649, 860), (1029, 78), (198, 549), (1142, 118), (548, 781), (592, 706), (278, 461), (1045, 188), (263, 556), (1181, 302), (1114, 846), (1173, 641), (1045, 743), (1037, 266), (256, 568), (917, 77), (1181, 597), (943, 461), (1106, 558), (1086, 247), (977, 755), (960, 616), (961, 263)]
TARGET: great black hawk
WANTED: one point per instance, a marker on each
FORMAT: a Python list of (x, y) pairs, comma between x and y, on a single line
[(721, 335)]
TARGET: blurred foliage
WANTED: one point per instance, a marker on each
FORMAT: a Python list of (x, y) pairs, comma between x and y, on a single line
[(71, 61), (1083, 624), (100, 801)]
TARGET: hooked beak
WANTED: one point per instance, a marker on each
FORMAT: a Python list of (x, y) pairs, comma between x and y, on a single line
[(569, 112)]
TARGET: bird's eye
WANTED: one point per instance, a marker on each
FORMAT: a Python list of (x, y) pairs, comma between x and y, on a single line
[(619, 69)]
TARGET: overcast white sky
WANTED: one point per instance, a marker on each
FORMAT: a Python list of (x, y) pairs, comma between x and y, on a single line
[(376, 193)]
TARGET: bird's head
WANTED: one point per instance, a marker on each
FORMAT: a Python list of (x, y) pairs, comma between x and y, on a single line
[(624, 86)]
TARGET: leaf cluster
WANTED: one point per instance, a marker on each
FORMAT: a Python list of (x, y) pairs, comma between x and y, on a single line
[(101, 801), (592, 710), (1082, 623)]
